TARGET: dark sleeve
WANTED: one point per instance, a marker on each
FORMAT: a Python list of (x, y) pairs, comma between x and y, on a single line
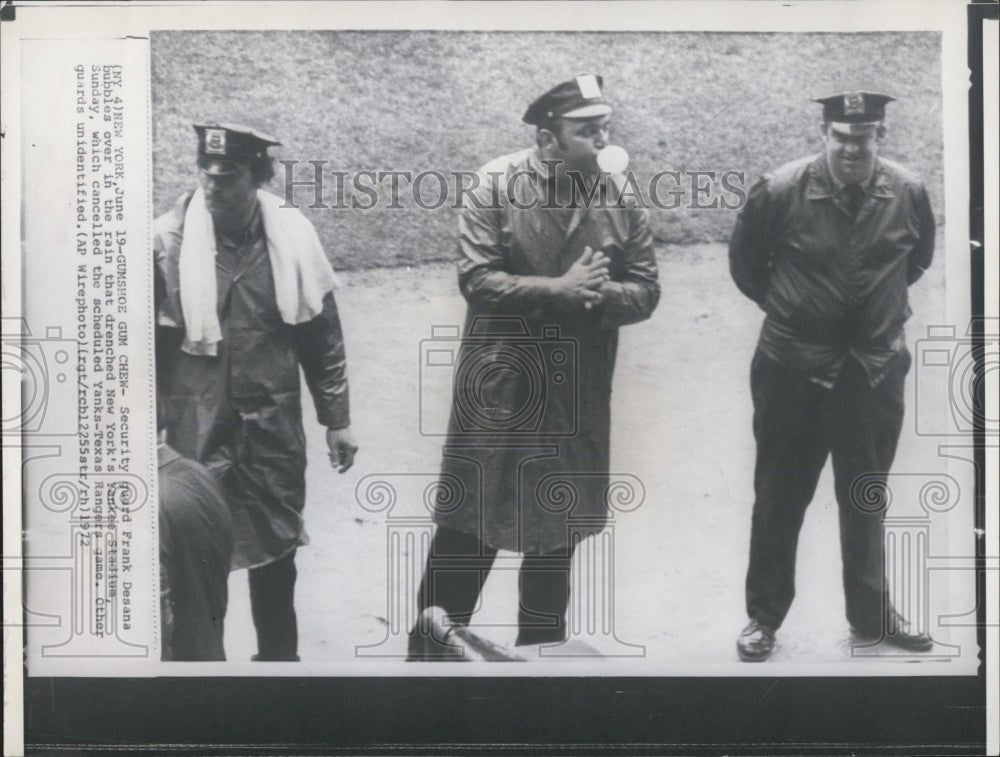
[(319, 345), (923, 253), (635, 296), (483, 271), (196, 547), (166, 600), (167, 339), (750, 246)]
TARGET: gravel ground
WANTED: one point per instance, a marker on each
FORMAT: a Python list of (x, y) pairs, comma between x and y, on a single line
[(680, 423)]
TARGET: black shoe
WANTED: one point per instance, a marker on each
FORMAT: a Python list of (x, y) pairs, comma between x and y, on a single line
[(260, 658), (428, 639), (756, 642), (898, 632)]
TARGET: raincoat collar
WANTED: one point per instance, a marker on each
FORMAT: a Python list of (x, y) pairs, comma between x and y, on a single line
[(165, 454), (538, 165)]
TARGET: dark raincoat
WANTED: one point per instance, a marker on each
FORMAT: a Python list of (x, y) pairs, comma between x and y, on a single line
[(240, 412), (526, 459)]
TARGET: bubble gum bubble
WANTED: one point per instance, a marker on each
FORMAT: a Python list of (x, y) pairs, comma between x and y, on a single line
[(612, 159)]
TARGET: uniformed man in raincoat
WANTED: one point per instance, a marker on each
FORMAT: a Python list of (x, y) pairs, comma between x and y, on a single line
[(246, 300), (553, 259), (827, 246)]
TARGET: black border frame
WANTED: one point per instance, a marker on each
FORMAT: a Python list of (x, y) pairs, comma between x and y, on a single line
[(418, 715)]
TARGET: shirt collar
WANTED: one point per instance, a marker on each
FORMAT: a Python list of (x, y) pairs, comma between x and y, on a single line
[(253, 230)]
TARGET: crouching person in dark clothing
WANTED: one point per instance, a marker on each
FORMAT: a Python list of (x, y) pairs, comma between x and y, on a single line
[(196, 546)]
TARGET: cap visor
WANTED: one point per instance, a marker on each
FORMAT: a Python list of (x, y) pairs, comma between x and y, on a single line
[(842, 127), (217, 166), (588, 111)]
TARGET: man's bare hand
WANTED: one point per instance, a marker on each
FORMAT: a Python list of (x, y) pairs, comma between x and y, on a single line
[(593, 298), (342, 448), (582, 282)]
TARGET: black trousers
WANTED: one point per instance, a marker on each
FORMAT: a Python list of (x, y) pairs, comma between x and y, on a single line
[(457, 568), (272, 603), (797, 424)]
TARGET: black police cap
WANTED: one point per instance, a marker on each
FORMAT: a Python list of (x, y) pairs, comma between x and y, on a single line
[(223, 146), (580, 97), (858, 111)]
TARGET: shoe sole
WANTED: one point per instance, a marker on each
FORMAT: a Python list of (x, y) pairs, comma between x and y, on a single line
[(750, 657), (909, 647), (892, 641)]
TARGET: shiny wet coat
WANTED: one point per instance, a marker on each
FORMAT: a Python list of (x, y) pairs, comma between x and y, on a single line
[(525, 463), (240, 412)]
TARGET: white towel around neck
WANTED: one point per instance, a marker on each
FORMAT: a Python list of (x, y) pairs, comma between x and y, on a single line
[(302, 273)]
